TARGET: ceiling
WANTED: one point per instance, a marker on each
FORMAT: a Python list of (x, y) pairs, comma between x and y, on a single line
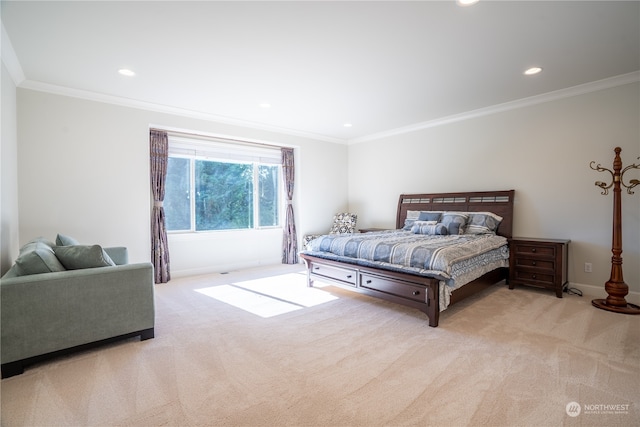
[(380, 66)]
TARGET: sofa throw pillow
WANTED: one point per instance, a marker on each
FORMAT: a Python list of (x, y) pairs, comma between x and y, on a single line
[(62, 240), (37, 257), (42, 240), (76, 257), (12, 272)]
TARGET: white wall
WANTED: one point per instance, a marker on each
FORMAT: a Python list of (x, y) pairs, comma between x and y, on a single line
[(9, 175), (541, 151), (83, 170)]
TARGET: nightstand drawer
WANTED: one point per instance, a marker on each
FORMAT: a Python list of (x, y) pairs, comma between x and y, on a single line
[(536, 263), (534, 249), (534, 277)]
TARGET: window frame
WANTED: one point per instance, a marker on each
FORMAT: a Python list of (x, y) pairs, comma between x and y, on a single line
[(209, 155)]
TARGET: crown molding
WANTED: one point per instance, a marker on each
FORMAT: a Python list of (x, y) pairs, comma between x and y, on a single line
[(17, 75), (150, 106), (10, 59), (507, 106)]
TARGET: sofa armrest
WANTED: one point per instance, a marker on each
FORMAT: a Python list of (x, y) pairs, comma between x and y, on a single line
[(118, 254), (47, 312)]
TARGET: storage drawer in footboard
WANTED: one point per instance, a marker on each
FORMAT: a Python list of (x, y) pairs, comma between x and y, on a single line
[(393, 287), (343, 275)]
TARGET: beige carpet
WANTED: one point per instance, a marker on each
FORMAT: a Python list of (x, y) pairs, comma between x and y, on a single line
[(501, 358)]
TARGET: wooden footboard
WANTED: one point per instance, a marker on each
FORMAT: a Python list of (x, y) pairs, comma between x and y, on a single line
[(401, 288)]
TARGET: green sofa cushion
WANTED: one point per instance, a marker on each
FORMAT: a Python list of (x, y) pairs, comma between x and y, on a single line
[(37, 257), (62, 240), (12, 272), (75, 257)]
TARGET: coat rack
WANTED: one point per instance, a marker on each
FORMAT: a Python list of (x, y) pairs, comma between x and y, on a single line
[(615, 287)]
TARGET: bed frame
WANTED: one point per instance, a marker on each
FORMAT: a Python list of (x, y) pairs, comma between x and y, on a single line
[(409, 289)]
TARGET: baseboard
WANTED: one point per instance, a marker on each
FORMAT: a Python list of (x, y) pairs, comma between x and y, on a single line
[(599, 292), (224, 268)]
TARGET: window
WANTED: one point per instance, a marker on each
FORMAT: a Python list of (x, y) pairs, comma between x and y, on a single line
[(212, 185)]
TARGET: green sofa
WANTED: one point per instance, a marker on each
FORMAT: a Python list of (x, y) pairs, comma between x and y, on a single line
[(66, 309)]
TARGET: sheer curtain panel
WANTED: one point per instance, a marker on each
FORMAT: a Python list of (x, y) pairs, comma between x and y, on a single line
[(159, 153)]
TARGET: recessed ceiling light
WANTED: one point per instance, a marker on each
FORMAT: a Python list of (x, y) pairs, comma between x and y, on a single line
[(265, 105), (347, 125), (466, 2), (126, 72), (533, 70)]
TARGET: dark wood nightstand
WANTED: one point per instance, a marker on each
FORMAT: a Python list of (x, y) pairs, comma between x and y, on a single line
[(538, 262)]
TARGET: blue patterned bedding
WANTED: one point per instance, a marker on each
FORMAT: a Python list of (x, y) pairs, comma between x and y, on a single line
[(451, 258)]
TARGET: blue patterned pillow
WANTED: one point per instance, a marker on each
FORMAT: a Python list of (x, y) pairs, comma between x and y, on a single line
[(430, 228), (412, 216), (483, 223), (456, 222), (429, 216)]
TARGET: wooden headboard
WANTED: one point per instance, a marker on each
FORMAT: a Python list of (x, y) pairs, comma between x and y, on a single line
[(498, 202)]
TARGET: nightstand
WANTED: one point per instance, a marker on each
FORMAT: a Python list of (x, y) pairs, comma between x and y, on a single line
[(538, 262)]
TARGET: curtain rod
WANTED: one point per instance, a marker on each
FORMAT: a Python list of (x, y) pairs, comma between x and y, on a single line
[(214, 137)]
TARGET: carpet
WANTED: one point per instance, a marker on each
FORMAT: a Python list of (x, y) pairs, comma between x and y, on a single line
[(258, 348)]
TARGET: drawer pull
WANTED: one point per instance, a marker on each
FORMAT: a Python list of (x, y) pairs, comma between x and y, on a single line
[(416, 292), (533, 249), (349, 276), (316, 268), (533, 263), (533, 277), (368, 282)]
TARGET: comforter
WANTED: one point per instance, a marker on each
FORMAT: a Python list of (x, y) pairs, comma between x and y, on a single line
[(452, 258)]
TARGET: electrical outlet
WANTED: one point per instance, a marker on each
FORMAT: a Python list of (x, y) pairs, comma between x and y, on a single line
[(588, 268)]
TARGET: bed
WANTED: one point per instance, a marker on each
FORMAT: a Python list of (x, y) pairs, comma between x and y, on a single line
[(431, 287)]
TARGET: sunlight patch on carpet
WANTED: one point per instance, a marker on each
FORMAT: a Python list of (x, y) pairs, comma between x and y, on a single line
[(270, 296)]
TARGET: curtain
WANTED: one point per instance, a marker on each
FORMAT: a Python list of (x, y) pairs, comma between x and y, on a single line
[(159, 153), (289, 238)]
